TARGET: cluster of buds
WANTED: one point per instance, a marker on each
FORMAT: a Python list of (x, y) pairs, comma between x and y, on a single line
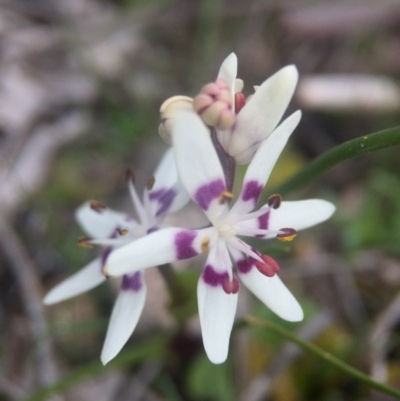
[(214, 105), (241, 123)]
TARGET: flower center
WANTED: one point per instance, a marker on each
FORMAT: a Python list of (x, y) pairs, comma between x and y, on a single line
[(226, 230)]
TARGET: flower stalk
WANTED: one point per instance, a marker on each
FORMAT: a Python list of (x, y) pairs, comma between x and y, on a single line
[(326, 356)]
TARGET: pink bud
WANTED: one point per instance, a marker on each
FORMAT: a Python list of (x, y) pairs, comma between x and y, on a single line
[(214, 105), (240, 102)]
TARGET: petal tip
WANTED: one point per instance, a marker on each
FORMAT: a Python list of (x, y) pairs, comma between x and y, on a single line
[(48, 299), (296, 316), (217, 359), (105, 357)]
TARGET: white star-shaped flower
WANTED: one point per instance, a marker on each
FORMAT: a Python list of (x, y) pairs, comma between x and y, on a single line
[(163, 195), (202, 176)]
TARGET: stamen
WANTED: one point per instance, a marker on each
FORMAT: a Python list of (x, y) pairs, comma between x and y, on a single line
[(84, 242), (249, 216), (104, 272), (269, 267), (240, 102), (244, 248), (230, 287), (274, 201), (286, 234), (150, 182), (205, 244), (97, 206), (140, 210), (226, 195), (122, 231)]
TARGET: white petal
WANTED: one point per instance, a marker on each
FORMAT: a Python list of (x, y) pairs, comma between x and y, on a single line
[(300, 214), (198, 165), (273, 293), (125, 315), (239, 85), (217, 313), (167, 194), (163, 246), (84, 280), (102, 223), (228, 71), (216, 307), (291, 214), (261, 114), (262, 164), (166, 174)]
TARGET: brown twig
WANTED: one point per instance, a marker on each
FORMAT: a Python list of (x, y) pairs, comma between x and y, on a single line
[(25, 274), (380, 333)]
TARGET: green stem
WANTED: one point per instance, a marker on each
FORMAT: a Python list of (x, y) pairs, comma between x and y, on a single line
[(382, 387), (154, 348), (348, 150)]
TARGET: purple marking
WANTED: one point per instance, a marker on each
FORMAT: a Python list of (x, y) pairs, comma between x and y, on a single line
[(164, 197), (245, 265), (157, 194), (211, 277), (132, 282), (208, 192), (165, 202), (263, 223), (152, 229), (183, 244), (252, 191)]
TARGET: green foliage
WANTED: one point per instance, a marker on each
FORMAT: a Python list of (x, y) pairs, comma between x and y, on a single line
[(206, 381), (348, 150), (377, 222)]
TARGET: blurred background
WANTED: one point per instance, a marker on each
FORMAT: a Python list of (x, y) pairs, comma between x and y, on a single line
[(81, 83)]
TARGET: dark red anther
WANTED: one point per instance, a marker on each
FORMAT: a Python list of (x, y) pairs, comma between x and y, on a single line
[(270, 266), (84, 242), (286, 234), (130, 175), (150, 182), (230, 287), (97, 206), (274, 201), (240, 102)]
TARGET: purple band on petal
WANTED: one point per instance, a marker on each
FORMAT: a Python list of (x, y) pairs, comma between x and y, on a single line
[(213, 278), (164, 197), (208, 192), (132, 282), (184, 245), (245, 265), (263, 222), (252, 191), (155, 195), (152, 230)]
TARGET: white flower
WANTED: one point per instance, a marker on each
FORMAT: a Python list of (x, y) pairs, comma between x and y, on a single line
[(201, 174), (257, 116), (106, 227)]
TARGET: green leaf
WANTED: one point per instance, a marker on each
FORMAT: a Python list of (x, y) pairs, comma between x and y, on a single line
[(348, 150), (207, 381)]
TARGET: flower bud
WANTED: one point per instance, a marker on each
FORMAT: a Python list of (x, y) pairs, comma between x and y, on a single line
[(168, 111), (214, 105)]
